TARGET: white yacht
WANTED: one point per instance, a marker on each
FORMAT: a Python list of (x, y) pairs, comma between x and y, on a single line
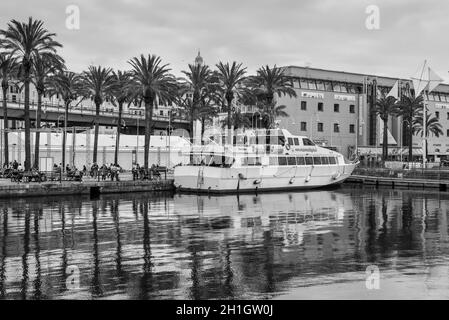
[(261, 160)]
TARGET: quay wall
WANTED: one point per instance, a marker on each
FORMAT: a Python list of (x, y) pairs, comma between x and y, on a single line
[(45, 189)]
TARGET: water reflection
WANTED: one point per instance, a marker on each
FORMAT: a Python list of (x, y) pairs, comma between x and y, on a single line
[(164, 246)]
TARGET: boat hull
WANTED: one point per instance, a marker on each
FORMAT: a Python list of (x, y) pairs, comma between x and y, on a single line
[(258, 179)]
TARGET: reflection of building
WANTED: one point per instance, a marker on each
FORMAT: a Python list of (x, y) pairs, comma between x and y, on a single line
[(336, 108)]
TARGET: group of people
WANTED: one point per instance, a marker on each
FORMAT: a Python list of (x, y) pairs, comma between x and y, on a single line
[(139, 173), (105, 171)]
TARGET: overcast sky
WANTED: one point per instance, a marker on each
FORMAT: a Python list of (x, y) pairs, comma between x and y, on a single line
[(327, 34)]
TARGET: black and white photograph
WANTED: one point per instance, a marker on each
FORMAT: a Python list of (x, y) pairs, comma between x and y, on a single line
[(244, 153)]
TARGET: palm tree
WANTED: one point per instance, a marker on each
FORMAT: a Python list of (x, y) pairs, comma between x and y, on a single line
[(153, 83), (121, 94), (270, 82), (270, 112), (409, 108), (196, 93), (26, 41), (385, 106), (68, 86), (433, 126), (230, 77), (97, 83), (8, 71), (43, 66), (238, 120), (264, 87)]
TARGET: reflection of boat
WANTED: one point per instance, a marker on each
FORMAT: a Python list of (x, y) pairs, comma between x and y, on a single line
[(261, 161), (289, 215)]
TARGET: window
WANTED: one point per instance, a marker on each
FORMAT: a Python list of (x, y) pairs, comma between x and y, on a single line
[(448, 116), (317, 160), (336, 127), (290, 141), (312, 84), (328, 85), (300, 161), (437, 114), (282, 161), (303, 126), (447, 132), (307, 142), (336, 107), (320, 127), (309, 161), (320, 106), (303, 105), (273, 161), (161, 112), (336, 86), (320, 85), (296, 141), (332, 160), (324, 160), (351, 108), (303, 83), (291, 161), (351, 128)]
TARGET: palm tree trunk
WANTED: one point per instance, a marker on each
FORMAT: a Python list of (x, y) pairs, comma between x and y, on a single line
[(148, 120), (64, 134), (229, 101), (27, 123), (5, 125), (38, 125), (385, 141), (203, 121), (410, 141), (117, 138), (97, 119)]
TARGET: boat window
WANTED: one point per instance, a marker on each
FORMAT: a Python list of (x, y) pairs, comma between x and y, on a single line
[(324, 160), (296, 141), (252, 140), (274, 161), (300, 161), (291, 161), (253, 161), (317, 160), (282, 161), (309, 160), (290, 141), (307, 142), (332, 160)]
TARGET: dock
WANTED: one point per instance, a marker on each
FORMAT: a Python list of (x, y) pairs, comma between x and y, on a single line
[(33, 189), (408, 183)]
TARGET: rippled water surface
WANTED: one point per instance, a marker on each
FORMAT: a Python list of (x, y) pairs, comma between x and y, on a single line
[(296, 245)]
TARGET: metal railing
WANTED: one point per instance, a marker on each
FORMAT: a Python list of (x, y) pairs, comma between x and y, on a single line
[(435, 173), (83, 110)]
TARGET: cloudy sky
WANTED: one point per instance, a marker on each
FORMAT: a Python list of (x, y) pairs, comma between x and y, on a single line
[(326, 34)]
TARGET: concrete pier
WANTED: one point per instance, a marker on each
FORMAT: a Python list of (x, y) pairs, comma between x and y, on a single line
[(442, 185), (33, 189)]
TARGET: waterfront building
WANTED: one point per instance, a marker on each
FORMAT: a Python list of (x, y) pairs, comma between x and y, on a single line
[(335, 109)]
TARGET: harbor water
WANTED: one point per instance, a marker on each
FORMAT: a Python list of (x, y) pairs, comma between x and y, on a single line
[(350, 242)]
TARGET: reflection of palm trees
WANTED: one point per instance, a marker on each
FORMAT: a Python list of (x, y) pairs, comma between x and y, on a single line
[(26, 250), (37, 251), (96, 285), (4, 254), (64, 249), (146, 281), (371, 234), (118, 255)]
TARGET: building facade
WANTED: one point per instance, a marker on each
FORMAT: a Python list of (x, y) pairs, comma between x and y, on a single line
[(336, 108)]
